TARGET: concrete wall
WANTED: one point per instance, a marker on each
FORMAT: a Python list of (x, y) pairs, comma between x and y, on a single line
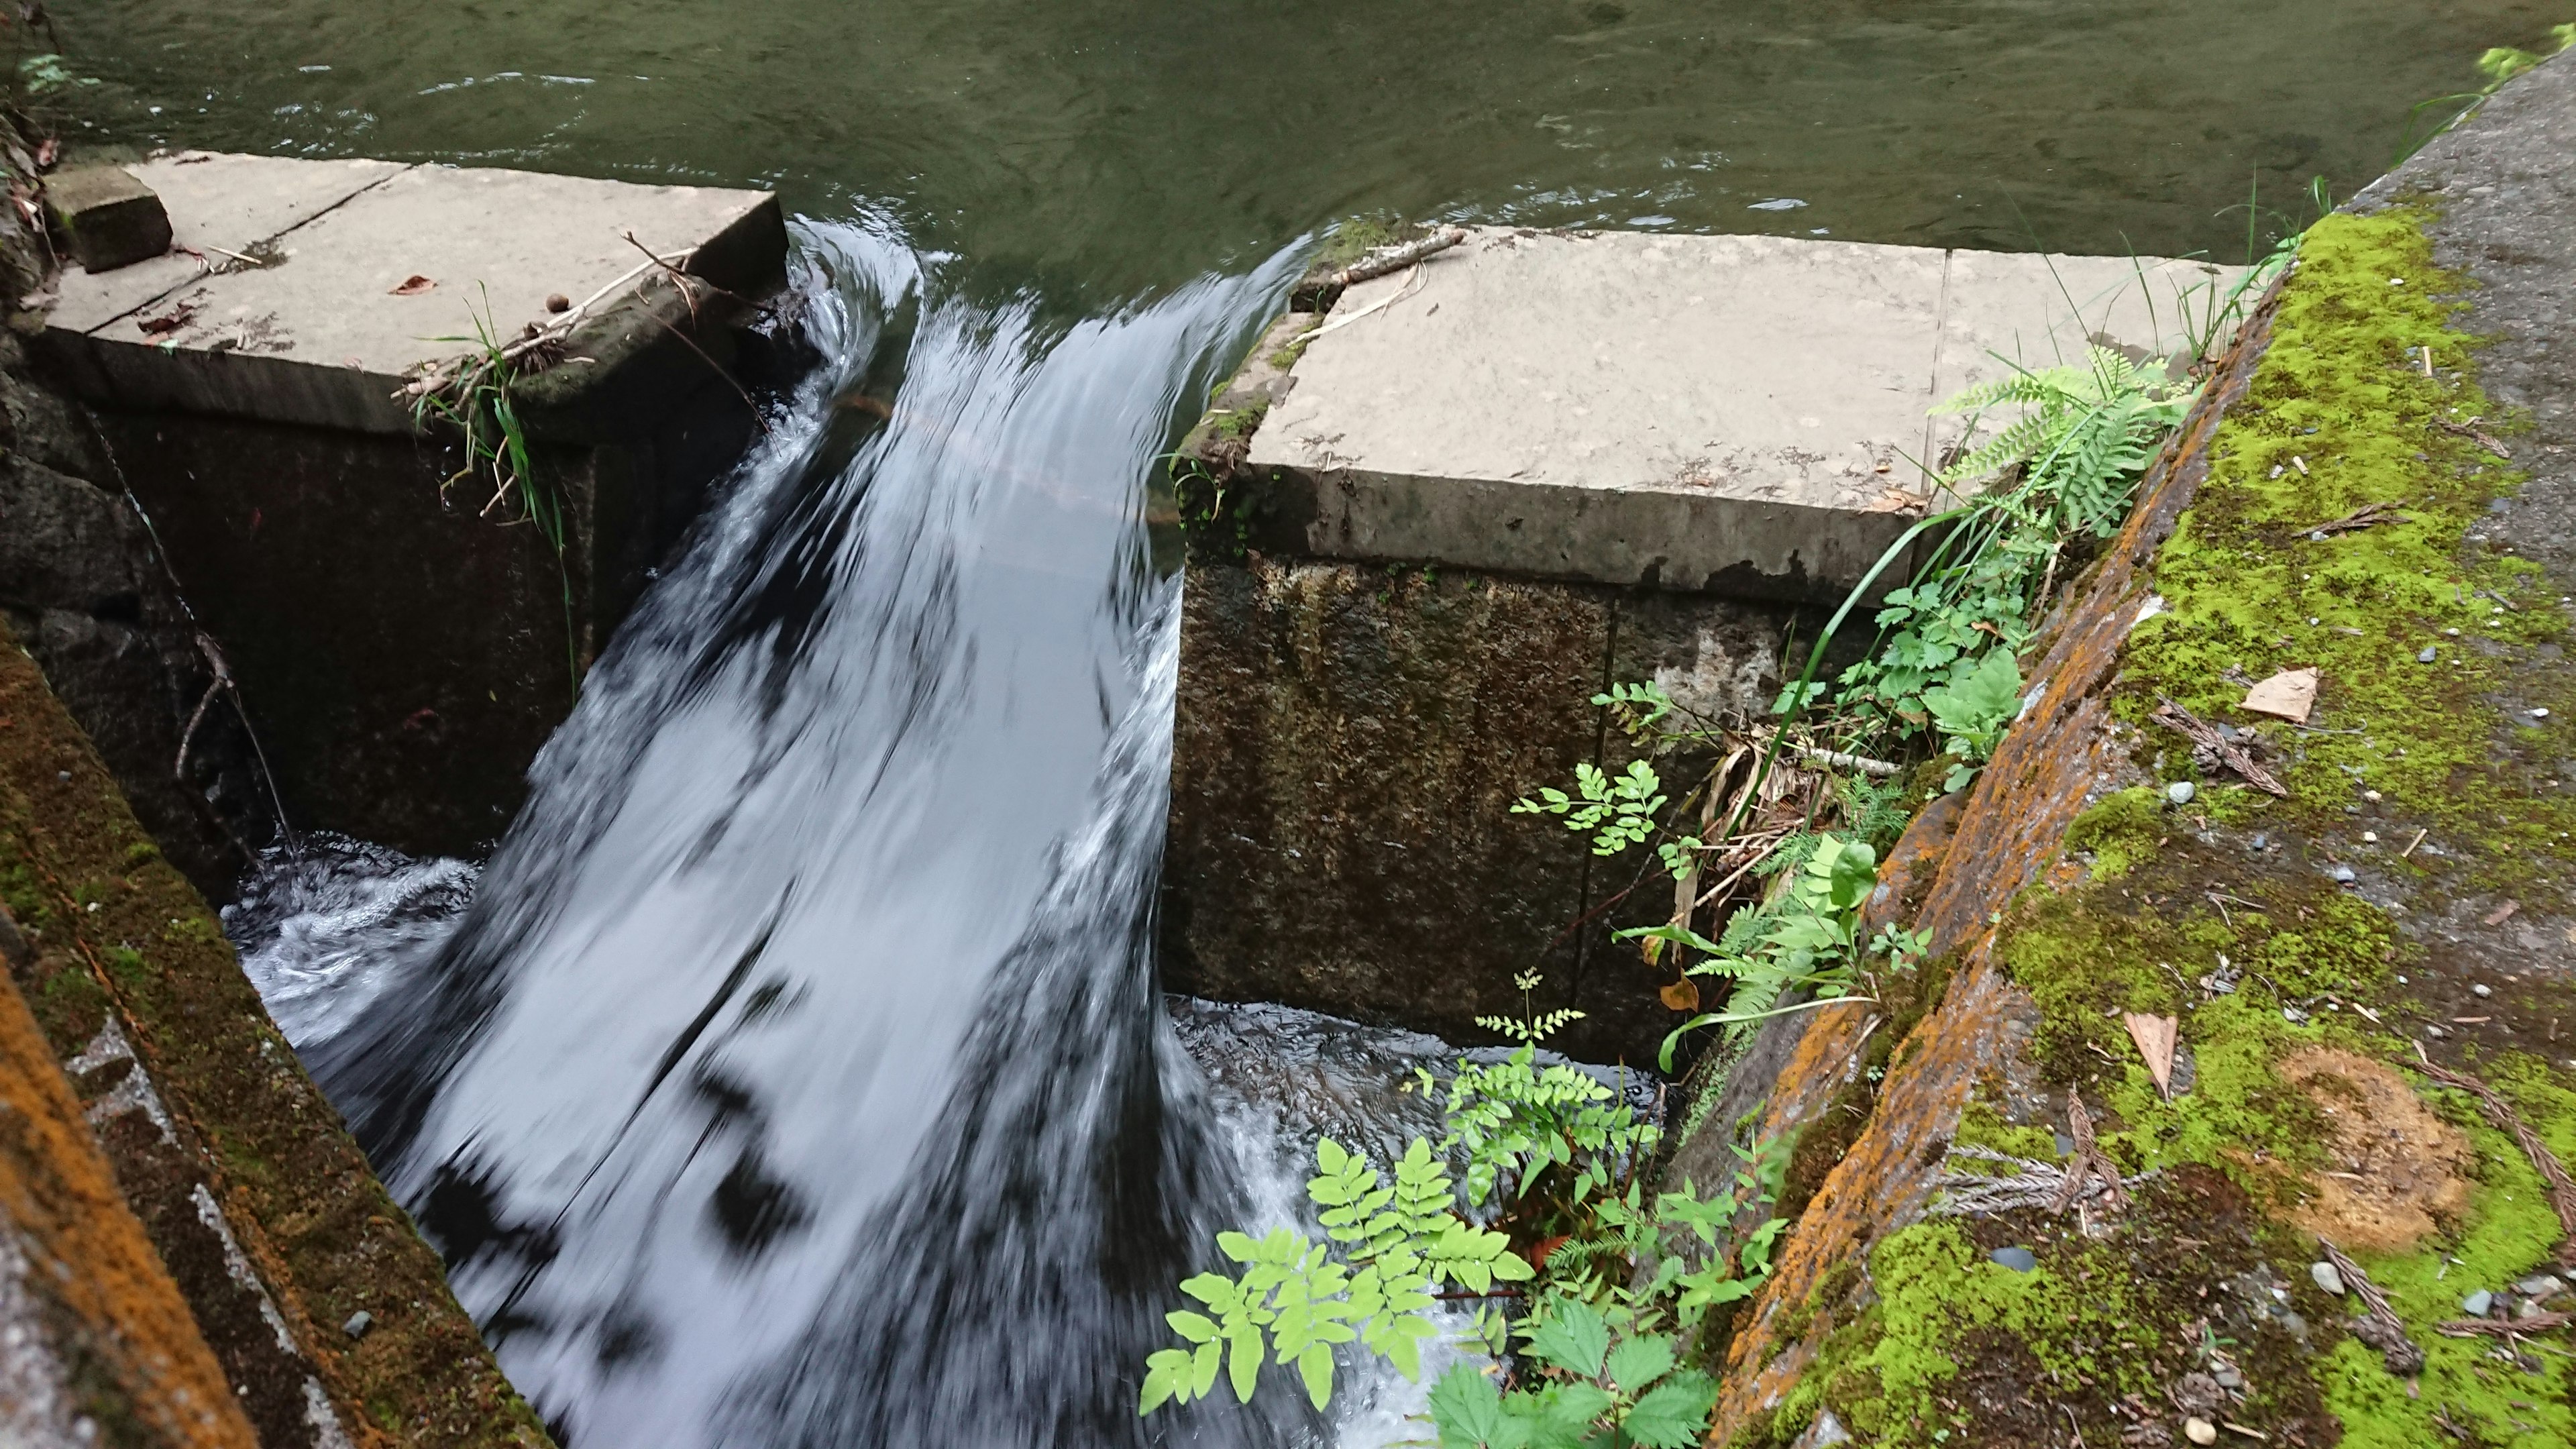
[(1348, 744)]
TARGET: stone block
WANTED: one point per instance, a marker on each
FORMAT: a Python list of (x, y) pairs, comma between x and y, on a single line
[(107, 218), (1741, 415)]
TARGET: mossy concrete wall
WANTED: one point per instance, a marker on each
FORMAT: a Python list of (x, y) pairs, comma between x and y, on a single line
[(2405, 904), (96, 1345), (253, 1195), (1348, 742)]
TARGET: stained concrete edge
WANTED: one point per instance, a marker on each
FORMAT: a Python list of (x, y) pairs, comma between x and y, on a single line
[(214, 368)]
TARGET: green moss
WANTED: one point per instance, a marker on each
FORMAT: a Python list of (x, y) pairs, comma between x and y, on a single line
[(1240, 422), (1981, 1126), (141, 851), (2338, 416), (2075, 1314), (2508, 1231), (2119, 830), (128, 966)]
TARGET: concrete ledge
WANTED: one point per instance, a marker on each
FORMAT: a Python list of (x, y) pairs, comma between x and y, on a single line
[(285, 299), (1742, 415)]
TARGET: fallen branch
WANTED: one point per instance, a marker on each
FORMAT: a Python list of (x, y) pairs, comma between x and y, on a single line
[(1838, 760), (1396, 258), (2380, 1327), (2210, 748), (2562, 1190)]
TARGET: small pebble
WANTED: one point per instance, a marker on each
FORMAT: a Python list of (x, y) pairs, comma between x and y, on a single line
[(2435, 1032), (2327, 1278), (558, 302), (2454, 633), (2370, 795), (2370, 837), (359, 1323), (2228, 1378), (2065, 1145), (2477, 1304), (2020, 1260), (2181, 791), (2200, 1431), (2343, 875), (63, 775), (2540, 714), (2482, 991), (2427, 654), (2261, 841), (2541, 1285)]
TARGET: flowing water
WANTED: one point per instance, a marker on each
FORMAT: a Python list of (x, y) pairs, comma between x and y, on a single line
[(793, 1074)]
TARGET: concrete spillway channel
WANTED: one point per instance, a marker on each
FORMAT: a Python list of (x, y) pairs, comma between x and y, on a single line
[(215, 478)]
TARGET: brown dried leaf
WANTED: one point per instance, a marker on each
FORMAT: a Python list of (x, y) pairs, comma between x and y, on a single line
[(413, 286), (2290, 694), (1682, 995), (2156, 1037)]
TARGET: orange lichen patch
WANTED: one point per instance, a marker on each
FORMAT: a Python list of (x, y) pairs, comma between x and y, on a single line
[(126, 1339), (2009, 831), (2392, 1168)]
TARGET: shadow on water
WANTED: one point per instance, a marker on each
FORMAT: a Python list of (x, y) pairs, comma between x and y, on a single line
[(796, 1075)]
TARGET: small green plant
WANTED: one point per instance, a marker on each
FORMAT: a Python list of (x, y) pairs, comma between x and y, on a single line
[(1390, 1246), (1619, 809), (1805, 937), (1621, 1278), (1971, 714), (1589, 1388), (479, 402), (2430, 118)]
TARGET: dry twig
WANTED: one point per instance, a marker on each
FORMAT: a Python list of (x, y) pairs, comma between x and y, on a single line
[(2210, 749), (2367, 516), (2380, 1327), (2505, 1328), (2470, 429), (2562, 1190), (1391, 259)]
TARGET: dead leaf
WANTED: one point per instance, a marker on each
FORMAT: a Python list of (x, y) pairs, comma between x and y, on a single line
[(2156, 1037), (2498, 916), (46, 151), (1682, 995), (413, 286), (170, 321), (2289, 694)]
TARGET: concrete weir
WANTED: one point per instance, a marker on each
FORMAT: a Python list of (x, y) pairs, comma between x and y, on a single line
[(402, 657), (1428, 524)]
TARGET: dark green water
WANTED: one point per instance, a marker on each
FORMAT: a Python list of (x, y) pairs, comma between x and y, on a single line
[(1119, 147)]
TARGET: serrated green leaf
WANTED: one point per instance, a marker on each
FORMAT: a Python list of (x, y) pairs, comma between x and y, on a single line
[(1574, 1338), (1468, 1411), (1639, 1361), (1673, 1415)]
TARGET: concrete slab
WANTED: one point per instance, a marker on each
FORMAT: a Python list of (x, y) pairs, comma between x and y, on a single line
[(1739, 414), (218, 204), (325, 330)]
